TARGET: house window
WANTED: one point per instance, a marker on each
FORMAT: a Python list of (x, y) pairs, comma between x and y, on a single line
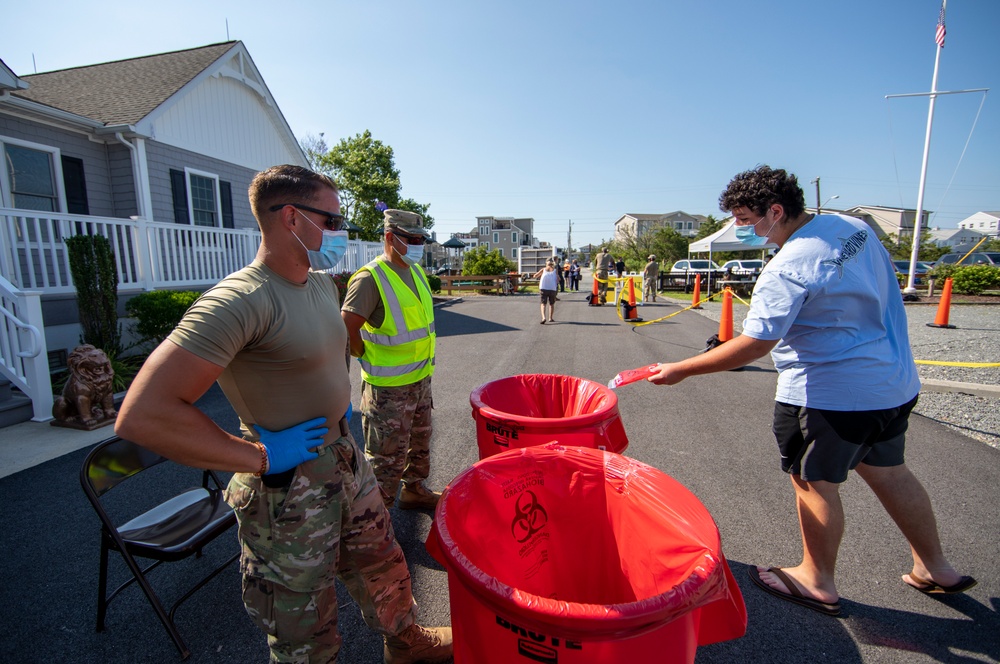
[(513, 237), (203, 198), (484, 230), (31, 177), (500, 250), (496, 238), (513, 252)]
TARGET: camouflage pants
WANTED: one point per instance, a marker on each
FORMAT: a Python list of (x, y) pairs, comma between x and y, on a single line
[(649, 290), (328, 523), (397, 429), (602, 286)]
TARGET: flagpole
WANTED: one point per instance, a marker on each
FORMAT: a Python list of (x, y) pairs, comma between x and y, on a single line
[(915, 252)]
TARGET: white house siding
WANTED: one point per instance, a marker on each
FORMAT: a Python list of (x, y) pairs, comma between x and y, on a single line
[(161, 158), (70, 144), (227, 120)]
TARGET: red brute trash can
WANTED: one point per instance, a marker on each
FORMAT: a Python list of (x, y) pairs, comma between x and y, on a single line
[(534, 409), (565, 555)]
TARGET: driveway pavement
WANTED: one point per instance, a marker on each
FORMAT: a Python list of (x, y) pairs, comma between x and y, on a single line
[(711, 433)]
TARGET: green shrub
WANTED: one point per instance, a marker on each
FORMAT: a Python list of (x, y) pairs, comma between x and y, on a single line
[(941, 272), (480, 261), (435, 283), (157, 313), (95, 277), (974, 279)]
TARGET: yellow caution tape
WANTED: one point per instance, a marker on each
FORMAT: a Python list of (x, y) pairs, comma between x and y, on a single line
[(974, 365)]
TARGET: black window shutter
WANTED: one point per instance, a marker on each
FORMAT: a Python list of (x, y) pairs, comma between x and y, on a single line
[(75, 186), (226, 194), (178, 184)]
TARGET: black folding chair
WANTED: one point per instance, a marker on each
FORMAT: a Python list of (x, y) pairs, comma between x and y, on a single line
[(172, 530)]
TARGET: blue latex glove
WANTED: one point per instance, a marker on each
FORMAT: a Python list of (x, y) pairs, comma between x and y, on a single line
[(350, 410), (288, 448)]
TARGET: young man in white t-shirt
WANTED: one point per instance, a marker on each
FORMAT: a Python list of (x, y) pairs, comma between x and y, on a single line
[(829, 310)]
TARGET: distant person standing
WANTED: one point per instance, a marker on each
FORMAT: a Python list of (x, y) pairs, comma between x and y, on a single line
[(620, 267), (389, 315), (548, 281), (561, 274), (650, 277), (602, 266), (574, 275)]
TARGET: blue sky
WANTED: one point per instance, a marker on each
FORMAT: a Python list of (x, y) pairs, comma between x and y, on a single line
[(583, 110)]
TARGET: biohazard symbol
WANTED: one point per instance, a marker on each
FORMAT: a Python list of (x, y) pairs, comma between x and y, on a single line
[(529, 517)]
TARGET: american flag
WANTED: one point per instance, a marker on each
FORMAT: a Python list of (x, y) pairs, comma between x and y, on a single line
[(939, 35)]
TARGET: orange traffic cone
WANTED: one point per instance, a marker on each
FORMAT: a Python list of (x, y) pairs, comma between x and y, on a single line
[(593, 299), (726, 320), (943, 306), (696, 297), (631, 313)]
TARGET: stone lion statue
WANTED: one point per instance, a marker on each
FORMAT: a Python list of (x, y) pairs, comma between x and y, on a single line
[(88, 396)]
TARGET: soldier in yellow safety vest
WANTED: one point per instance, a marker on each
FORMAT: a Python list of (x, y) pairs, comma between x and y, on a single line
[(389, 316)]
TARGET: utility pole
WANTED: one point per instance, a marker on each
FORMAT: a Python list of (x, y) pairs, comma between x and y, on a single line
[(818, 199), (569, 239)]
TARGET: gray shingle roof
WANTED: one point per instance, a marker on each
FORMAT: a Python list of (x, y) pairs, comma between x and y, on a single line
[(124, 91)]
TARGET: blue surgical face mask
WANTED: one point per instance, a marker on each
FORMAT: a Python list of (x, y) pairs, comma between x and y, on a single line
[(748, 234), (412, 255), (332, 249)]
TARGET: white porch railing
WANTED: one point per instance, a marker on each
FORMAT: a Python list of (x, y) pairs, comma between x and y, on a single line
[(149, 255), (23, 358)]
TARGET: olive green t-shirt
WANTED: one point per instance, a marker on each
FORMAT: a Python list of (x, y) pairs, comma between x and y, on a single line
[(363, 296), (282, 345)]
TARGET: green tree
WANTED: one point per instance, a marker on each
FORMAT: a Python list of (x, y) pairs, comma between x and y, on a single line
[(709, 226), (481, 261), (365, 172), (901, 250)]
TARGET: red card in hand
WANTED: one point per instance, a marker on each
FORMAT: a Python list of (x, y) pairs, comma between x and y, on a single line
[(632, 375)]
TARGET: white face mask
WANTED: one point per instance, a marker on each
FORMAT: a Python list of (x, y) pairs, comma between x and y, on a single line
[(413, 253)]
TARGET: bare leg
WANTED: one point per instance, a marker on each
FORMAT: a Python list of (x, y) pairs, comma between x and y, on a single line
[(821, 520), (543, 311), (904, 498)]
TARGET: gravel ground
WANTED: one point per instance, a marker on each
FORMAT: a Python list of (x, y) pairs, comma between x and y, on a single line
[(974, 339)]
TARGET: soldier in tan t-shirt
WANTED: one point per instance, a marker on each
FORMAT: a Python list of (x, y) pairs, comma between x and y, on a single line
[(308, 505)]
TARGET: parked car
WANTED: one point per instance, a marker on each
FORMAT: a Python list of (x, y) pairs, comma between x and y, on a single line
[(903, 267), (743, 268), (976, 258), (444, 269), (684, 267)]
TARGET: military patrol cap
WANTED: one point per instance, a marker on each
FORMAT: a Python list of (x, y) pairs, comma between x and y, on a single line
[(406, 222)]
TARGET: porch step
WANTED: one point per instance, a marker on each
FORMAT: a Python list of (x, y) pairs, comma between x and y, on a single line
[(14, 407)]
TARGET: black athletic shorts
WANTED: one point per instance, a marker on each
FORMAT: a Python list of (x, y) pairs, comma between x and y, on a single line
[(824, 445)]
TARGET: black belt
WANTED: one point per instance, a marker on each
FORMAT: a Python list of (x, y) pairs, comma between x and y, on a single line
[(282, 480)]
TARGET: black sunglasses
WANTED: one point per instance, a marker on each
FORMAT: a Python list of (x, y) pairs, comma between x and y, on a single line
[(333, 221)]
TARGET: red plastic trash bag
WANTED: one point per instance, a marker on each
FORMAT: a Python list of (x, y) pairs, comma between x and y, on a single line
[(535, 409), (564, 555)]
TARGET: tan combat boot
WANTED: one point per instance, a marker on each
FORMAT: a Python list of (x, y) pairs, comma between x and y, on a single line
[(417, 497), (418, 644)]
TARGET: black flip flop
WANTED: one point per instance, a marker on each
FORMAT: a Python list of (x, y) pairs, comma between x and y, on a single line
[(928, 587), (795, 595)]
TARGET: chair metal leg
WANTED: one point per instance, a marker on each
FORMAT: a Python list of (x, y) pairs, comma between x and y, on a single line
[(157, 606), (102, 585)]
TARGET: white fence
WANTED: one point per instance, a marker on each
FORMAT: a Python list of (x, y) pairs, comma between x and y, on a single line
[(149, 255)]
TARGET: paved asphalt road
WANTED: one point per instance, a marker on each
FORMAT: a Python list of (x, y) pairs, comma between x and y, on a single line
[(711, 433)]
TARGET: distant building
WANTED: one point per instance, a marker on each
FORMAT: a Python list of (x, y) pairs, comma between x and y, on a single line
[(959, 239), (634, 225), (888, 220), (987, 223), (507, 234)]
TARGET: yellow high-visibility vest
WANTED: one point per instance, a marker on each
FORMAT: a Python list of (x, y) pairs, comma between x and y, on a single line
[(401, 350)]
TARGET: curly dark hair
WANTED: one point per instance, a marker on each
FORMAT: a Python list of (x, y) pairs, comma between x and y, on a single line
[(760, 188)]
